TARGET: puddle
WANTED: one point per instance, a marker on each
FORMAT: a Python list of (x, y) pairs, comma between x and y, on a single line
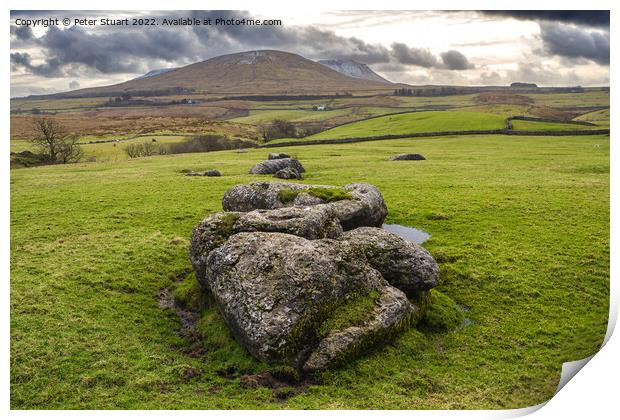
[(412, 234), (466, 321)]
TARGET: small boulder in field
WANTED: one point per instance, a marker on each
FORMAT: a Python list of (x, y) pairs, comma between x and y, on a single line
[(212, 172), (273, 156), (274, 165), (287, 173), (408, 156)]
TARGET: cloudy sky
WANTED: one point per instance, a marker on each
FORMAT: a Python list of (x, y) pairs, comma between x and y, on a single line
[(551, 48)]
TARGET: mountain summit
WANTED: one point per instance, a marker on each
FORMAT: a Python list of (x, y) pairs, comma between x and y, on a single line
[(353, 69)]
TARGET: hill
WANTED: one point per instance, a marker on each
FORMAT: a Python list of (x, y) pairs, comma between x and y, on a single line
[(353, 69), (247, 73)]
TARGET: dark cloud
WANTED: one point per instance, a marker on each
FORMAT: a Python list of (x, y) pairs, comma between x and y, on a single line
[(422, 57), (116, 51), (599, 18), (414, 56), (454, 60), (22, 33), (51, 68), (575, 43)]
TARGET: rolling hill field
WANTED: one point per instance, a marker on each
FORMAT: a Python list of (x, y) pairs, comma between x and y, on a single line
[(415, 122), (522, 240), (600, 118)]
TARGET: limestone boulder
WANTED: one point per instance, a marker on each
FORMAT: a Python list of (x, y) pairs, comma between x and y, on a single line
[(274, 165)]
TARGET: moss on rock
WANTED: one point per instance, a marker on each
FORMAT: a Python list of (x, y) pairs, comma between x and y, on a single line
[(328, 195), (352, 313), (287, 195)]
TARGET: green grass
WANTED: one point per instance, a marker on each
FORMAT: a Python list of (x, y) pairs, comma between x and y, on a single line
[(301, 116), (415, 122), (548, 126), (442, 313), (352, 313), (451, 100), (523, 246)]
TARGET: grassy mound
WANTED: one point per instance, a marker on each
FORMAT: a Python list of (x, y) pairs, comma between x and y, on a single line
[(415, 122), (442, 314)]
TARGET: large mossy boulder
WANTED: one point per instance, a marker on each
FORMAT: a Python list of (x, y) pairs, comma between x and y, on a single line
[(303, 276)]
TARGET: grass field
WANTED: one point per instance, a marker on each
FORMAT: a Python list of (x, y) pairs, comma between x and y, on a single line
[(415, 122), (105, 151), (519, 225), (298, 115), (56, 104), (600, 118), (587, 98), (548, 126)]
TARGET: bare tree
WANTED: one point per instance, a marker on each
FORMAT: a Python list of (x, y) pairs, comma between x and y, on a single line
[(70, 150), (278, 129), (149, 149), (133, 150), (143, 149), (52, 139)]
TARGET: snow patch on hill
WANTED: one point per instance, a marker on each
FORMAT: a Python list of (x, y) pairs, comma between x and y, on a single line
[(156, 72), (353, 69)]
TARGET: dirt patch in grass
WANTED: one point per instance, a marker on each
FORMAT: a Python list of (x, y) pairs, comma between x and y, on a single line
[(189, 323)]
